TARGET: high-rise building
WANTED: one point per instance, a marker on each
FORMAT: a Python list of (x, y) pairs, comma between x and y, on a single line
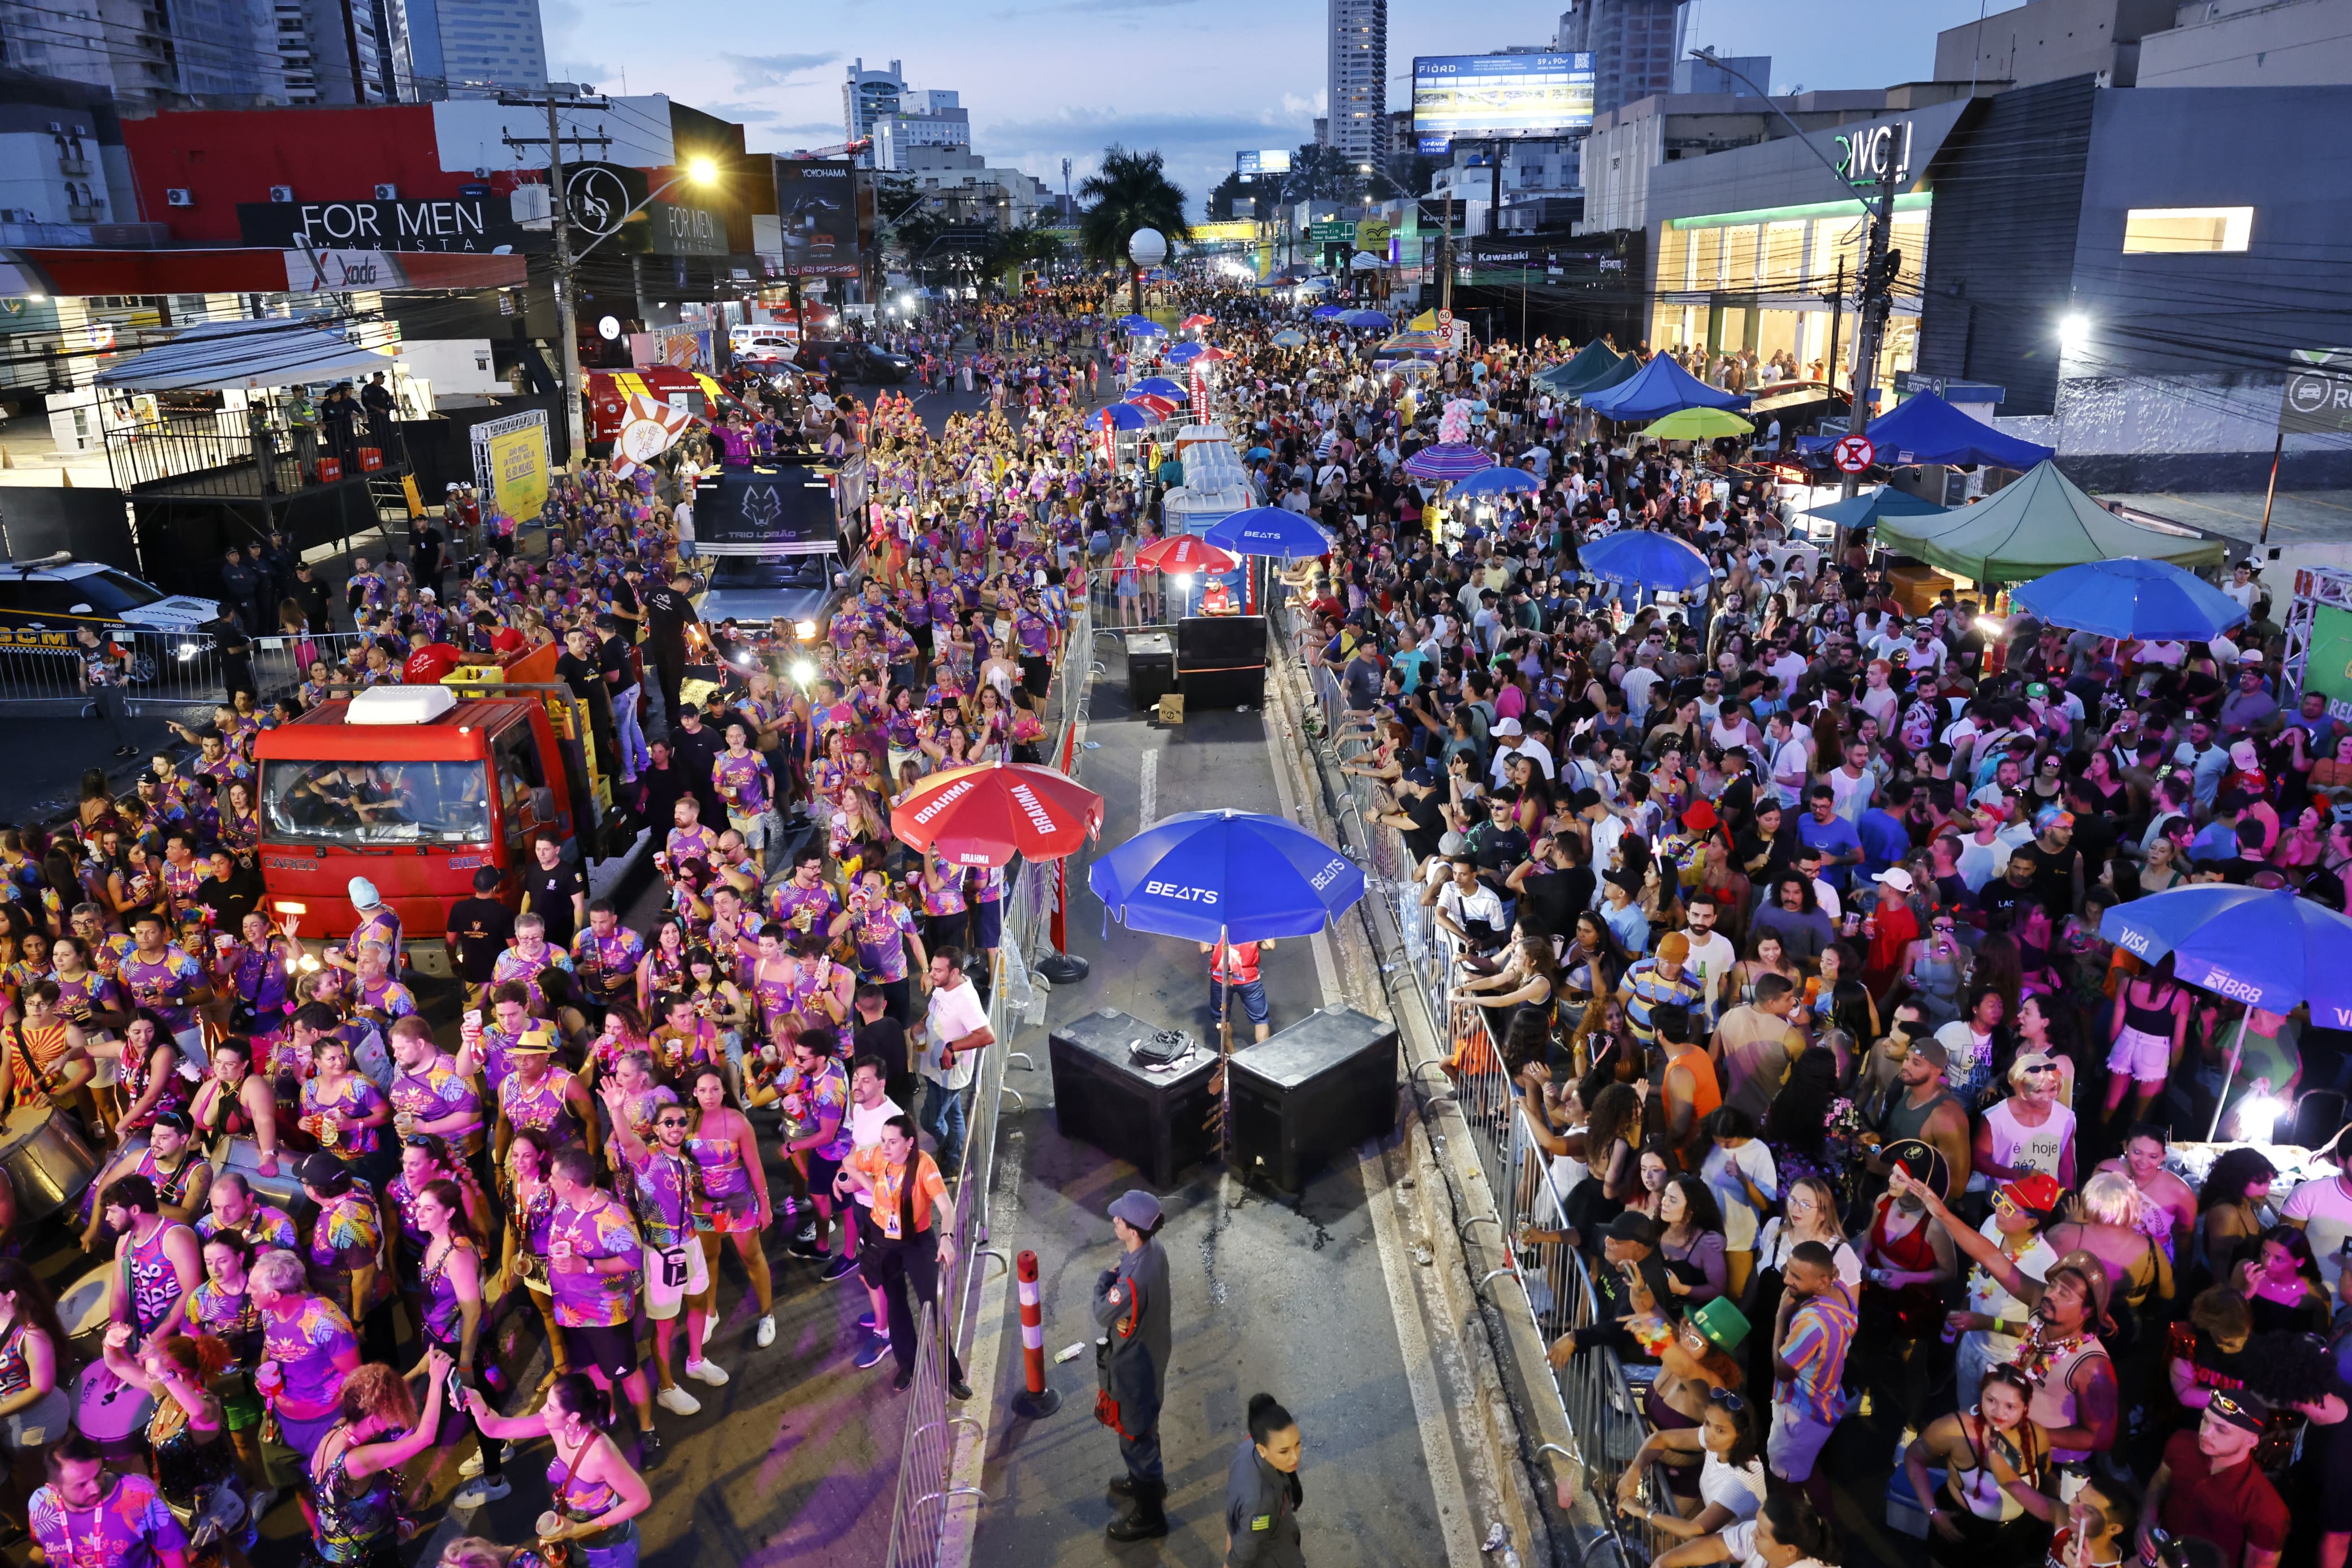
[(1360, 80), (213, 51), (930, 117), (867, 95), (1633, 43), (470, 49)]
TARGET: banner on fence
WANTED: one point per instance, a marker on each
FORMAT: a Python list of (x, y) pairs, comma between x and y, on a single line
[(510, 463)]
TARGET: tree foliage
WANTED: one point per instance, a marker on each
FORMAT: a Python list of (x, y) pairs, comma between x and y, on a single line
[(1131, 191)]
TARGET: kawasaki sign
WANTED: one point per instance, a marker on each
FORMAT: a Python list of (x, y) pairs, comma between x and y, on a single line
[(2318, 396)]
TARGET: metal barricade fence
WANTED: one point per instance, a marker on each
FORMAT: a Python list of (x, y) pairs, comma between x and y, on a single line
[(926, 1486), (165, 669), (1554, 1280)]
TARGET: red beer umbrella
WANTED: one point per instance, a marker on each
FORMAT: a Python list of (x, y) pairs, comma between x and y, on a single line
[(1161, 406), (1185, 552), (986, 815), (1190, 322)]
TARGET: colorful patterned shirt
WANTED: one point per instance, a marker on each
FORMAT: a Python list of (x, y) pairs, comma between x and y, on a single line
[(129, 1528), (587, 1298), (305, 1347), (163, 985)]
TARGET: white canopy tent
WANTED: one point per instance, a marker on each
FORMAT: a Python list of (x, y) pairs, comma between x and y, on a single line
[(215, 356)]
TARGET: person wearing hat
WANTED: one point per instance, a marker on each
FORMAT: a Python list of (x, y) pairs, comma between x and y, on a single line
[(1511, 740), (1131, 1357), (377, 922), (2027, 1132), (1988, 1325), (347, 1251), (1697, 1368), (2076, 1397), (2209, 1489)]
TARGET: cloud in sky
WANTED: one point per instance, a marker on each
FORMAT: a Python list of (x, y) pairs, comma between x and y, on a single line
[(1199, 147), (775, 70)]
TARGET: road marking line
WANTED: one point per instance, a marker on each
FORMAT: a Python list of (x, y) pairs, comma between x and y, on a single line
[(1327, 966), (1147, 792), (1454, 1520)]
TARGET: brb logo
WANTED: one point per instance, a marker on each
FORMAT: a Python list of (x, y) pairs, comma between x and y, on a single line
[(1180, 892)]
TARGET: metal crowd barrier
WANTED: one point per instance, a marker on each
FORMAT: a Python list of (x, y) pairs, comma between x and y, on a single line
[(1555, 1290), (925, 1489), (164, 669)]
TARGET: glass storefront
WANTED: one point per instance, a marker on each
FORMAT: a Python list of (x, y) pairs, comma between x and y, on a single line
[(1764, 281)]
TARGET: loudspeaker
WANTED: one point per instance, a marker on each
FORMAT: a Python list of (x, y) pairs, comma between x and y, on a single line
[(1158, 1121), (1151, 668), (1220, 642), (1311, 1093)]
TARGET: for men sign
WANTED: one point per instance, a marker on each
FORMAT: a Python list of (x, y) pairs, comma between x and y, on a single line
[(481, 224), (2318, 397)]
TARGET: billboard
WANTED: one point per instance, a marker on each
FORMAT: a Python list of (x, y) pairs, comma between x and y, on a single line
[(1501, 95), (1269, 160), (510, 462), (2327, 668), (775, 511), (817, 205), (483, 224), (2318, 396)]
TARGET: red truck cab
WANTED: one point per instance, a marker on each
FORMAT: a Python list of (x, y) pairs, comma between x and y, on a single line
[(417, 788)]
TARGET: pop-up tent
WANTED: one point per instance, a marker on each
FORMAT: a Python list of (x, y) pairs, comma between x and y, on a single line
[(1584, 371), (2036, 525), (1924, 428), (247, 355), (1656, 390)]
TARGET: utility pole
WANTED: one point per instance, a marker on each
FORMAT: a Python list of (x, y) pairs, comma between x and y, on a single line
[(567, 324), (1445, 252), (1837, 320), (1878, 269)]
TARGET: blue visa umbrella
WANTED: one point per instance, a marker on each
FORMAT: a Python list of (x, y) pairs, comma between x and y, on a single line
[(1160, 386), (1185, 353), (1495, 482), (2267, 948), (1237, 877), (1373, 321), (1122, 416), (2130, 597), (1256, 453), (1289, 337), (1136, 321), (1147, 329), (1639, 560), (1270, 531), (1327, 312)]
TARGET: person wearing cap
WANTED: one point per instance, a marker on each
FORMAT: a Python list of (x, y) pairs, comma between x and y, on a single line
[(1132, 1310), (1991, 1322), (1512, 740), (2249, 705), (377, 922), (2209, 1489), (1662, 979), (2077, 1398), (346, 1249), (1923, 1108), (2029, 1131)]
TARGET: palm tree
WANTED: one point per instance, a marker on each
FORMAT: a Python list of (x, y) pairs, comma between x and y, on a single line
[(1131, 191)]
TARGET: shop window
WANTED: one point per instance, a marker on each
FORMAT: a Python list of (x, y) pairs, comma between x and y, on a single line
[(2156, 231), (1784, 255), (1674, 260), (1739, 248)]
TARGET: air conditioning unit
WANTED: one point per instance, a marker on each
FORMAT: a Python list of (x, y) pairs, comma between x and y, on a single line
[(387, 192), (481, 173), (281, 192), (179, 197), (57, 128)]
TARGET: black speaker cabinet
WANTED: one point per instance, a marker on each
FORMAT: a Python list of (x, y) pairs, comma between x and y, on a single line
[(1220, 642), (1151, 668), (1310, 1093), (1156, 1120)]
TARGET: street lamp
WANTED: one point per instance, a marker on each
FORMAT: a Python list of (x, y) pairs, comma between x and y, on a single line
[(697, 171), (1147, 249)]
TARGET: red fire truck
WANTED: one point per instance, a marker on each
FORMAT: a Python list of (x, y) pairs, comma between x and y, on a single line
[(417, 787)]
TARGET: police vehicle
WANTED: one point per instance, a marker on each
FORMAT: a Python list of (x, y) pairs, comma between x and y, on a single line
[(44, 602)]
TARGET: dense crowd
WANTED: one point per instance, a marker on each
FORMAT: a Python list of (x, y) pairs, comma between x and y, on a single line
[(336, 1230), (1778, 909)]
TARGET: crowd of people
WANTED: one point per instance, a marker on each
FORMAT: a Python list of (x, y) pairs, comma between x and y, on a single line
[(337, 1231), (1779, 910)]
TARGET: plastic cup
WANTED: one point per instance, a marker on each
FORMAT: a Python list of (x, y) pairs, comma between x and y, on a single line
[(549, 1524)]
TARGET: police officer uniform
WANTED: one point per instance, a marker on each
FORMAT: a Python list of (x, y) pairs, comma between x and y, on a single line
[(1130, 1305), (1262, 1513)]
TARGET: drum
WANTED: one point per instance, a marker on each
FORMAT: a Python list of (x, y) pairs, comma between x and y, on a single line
[(46, 1161), (82, 1310), (243, 1157), (112, 1414)]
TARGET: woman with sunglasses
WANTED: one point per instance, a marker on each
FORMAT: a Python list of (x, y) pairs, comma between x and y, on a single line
[(1934, 973), (1730, 1441), (732, 1195), (1693, 1364), (1974, 1521)]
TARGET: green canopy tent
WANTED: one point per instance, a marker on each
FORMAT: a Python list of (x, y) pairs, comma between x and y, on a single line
[(2036, 525), (1583, 371)]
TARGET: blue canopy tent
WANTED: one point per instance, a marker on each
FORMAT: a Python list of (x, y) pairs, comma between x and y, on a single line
[(1658, 389), (1924, 428), (1585, 369), (1858, 512)]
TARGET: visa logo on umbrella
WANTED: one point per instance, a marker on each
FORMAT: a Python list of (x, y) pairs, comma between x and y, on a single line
[(1178, 890)]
